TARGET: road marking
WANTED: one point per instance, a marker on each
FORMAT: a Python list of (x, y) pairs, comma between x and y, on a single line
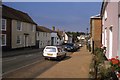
[(22, 67), (9, 59), (28, 55)]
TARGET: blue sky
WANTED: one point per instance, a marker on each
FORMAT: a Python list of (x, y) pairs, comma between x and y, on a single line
[(68, 16)]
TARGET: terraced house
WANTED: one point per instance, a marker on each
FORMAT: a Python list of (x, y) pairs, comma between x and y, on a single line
[(43, 35), (95, 32), (110, 13), (18, 29)]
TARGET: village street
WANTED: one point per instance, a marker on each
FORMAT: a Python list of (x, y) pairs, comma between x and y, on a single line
[(75, 65), (60, 40)]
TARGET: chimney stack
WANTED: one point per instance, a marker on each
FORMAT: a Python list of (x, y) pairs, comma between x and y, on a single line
[(53, 28)]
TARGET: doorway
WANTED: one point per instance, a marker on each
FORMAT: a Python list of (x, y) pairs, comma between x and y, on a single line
[(25, 40), (110, 42)]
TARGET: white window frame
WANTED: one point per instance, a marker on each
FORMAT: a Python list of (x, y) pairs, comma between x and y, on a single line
[(33, 40), (5, 25), (17, 39), (32, 27), (20, 26), (38, 34), (105, 15), (41, 43), (46, 34), (5, 39), (43, 34)]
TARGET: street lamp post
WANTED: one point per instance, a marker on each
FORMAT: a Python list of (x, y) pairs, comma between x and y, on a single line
[(87, 38)]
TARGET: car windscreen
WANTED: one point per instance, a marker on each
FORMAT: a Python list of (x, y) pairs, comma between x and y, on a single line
[(50, 49), (70, 44)]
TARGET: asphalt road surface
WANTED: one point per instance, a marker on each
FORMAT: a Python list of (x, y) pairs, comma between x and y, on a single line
[(26, 66)]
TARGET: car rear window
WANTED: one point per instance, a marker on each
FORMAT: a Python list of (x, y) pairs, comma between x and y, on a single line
[(50, 49), (70, 44)]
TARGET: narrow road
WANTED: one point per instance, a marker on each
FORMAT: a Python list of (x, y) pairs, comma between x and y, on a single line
[(26, 66), (12, 63)]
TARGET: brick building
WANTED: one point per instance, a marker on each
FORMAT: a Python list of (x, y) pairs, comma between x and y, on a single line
[(95, 32)]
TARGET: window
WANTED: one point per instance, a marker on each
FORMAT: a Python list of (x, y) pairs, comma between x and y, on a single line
[(105, 15), (32, 27), (38, 34), (18, 39), (50, 49), (41, 43), (59, 50), (33, 39), (3, 24), (3, 39), (19, 26), (43, 33)]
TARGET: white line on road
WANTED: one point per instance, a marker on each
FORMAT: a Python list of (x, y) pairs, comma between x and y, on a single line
[(22, 67), (9, 59), (28, 55)]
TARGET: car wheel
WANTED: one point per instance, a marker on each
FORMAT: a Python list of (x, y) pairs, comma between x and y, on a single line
[(46, 58), (65, 55), (58, 58)]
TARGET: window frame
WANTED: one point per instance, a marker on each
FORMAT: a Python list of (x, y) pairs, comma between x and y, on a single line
[(105, 15), (20, 26), (46, 34), (32, 27), (17, 39), (5, 40), (38, 34), (5, 25), (32, 40)]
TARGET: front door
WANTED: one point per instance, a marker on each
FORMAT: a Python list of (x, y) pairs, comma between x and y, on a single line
[(110, 42), (25, 41), (52, 41)]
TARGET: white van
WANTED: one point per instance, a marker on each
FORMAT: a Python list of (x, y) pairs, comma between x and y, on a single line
[(55, 52)]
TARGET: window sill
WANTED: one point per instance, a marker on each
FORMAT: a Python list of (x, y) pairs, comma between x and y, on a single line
[(3, 45)]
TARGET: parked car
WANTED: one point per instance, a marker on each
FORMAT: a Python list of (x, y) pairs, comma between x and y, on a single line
[(80, 45), (54, 52), (77, 45), (70, 47)]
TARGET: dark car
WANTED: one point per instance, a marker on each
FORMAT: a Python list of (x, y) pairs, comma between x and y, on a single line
[(70, 47), (77, 46)]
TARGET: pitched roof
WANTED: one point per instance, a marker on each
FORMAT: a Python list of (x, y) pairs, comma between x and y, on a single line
[(119, 8), (96, 16), (60, 34), (68, 34), (43, 29), (8, 12), (104, 4)]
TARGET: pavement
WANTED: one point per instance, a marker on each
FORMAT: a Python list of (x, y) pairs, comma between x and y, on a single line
[(75, 66), (20, 52)]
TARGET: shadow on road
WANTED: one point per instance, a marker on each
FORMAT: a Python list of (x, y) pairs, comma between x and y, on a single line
[(66, 58)]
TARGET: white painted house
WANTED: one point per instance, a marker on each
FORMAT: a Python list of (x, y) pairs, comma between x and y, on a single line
[(61, 37), (110, 12), (43, 37), (67, 38), (81, 37), (54, 38), (18, 29)]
